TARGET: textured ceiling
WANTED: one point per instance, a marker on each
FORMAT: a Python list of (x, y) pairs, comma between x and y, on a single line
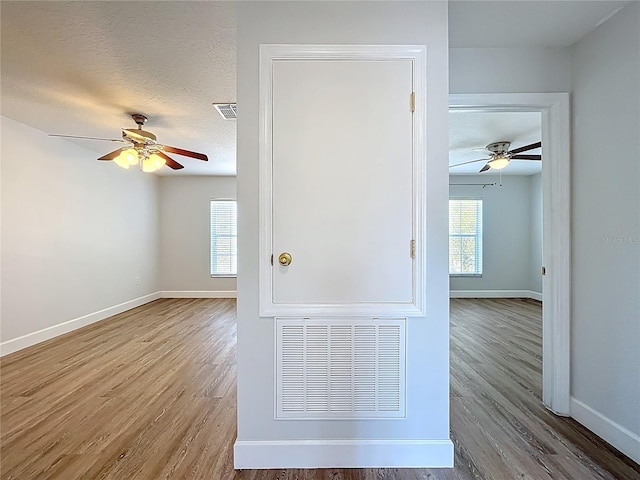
[(470, 132), (80, 68), (518, 23)]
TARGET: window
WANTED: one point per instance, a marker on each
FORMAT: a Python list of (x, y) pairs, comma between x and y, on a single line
[(465, 236), (224, 233)]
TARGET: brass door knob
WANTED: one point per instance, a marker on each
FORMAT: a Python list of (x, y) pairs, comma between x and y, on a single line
[(285, 259)]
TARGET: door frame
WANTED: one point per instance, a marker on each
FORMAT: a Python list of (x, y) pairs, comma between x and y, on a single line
[(556, 194), (417, 54)]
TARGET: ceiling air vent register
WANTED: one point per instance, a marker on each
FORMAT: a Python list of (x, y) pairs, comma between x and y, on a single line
[(226, 110)]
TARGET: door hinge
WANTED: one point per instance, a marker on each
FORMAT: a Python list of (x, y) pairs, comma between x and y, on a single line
[(272, 259), (413, 248), (412, 102), (543, 271)]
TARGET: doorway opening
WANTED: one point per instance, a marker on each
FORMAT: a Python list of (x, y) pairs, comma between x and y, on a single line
[(554, 110)]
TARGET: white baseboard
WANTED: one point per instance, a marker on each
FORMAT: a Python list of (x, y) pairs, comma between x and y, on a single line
[(15, 344), (535, 295), (198, 294), (495, 294), (618, 436), (343, 454)]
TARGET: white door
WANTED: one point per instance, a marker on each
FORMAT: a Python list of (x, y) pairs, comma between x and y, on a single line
[(342, 182), (342, 199)]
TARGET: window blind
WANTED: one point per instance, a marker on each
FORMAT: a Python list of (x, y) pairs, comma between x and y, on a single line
[(224, 233), (465, 237)]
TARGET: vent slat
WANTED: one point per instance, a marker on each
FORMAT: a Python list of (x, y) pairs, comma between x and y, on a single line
[(340, 369)]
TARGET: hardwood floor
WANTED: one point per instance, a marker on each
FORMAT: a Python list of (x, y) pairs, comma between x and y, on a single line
[(150, 394)]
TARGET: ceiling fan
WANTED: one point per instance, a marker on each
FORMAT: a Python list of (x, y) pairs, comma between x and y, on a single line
[(501, 155), (142, 148)]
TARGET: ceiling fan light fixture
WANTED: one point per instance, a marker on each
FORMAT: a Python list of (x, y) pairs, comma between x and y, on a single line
[(157, 161), (499, 162), (130, 155), (121, 161), (147, 165)]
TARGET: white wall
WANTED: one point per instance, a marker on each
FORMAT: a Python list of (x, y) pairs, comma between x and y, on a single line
[(507, 229), (185, 233), (535, 250), (427, 355), (606, 229), (509, 70), (76, 233)]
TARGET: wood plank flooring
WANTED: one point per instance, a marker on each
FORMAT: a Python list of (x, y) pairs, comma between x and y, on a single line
[(150, 394)]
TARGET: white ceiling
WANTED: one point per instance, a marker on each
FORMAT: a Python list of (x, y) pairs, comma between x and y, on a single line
[(522, 23), (470, 132), (81, 68)]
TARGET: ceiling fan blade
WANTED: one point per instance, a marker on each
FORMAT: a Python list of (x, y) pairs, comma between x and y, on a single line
[(525, 148), (471, 161), (186, 153), (89, 138), (526, 157), (171, 163), (485, 168), (111, 155)]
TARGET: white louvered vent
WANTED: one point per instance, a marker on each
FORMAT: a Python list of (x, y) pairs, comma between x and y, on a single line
[(340, 368), (228, 111)]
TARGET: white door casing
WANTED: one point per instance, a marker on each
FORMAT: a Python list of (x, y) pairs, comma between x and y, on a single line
[(341, 180), (556, 182)]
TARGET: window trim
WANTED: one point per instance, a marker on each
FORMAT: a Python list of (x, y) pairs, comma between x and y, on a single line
[(474, 274), (222, 275)]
